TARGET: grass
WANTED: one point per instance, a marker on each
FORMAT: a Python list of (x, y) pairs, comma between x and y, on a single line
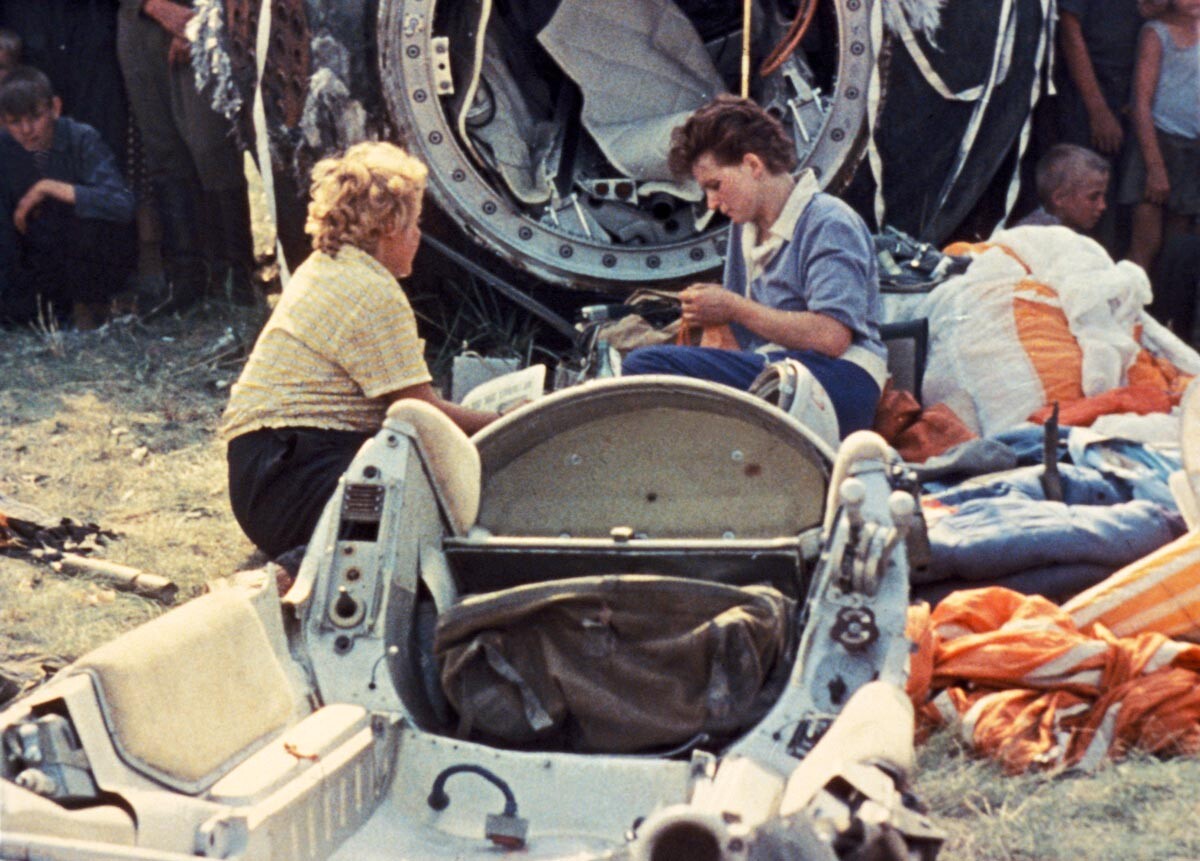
[(1141, 809), (117, 426)]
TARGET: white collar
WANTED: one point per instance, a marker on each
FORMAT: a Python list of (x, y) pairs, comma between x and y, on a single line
[(758, 254)]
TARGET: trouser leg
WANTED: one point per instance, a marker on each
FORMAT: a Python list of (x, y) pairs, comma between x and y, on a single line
[(142, 51), (219, 168), (184, 266), (231, 246)]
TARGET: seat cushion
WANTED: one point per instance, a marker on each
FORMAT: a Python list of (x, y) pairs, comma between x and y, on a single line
[(448, 455), (190, 694)]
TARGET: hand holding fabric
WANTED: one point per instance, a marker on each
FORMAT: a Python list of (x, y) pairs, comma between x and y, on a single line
[(707, 305)]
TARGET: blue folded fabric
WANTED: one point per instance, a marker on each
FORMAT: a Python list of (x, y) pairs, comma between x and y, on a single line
[(990, 538), (1081, 485)]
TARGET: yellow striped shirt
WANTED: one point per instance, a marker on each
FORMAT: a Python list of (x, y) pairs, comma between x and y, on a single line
[(342, 335)]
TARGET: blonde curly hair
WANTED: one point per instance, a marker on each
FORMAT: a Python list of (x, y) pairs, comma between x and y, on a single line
[(356, 197)]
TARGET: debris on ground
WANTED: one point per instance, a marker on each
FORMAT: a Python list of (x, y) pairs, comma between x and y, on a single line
[(63, 543)]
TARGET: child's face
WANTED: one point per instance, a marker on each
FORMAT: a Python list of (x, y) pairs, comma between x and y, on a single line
[(1080, 204), (35, 131), (1190, 8)]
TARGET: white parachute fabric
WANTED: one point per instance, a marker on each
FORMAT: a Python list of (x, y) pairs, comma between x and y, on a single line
[(642, 69), (977, 358), (1103, 300), (975, 354)]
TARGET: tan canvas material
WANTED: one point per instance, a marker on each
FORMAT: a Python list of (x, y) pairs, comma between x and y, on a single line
[(667, 457), (191, 693), (450, 457), (616, 664)]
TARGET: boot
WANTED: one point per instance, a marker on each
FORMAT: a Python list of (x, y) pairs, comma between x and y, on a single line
[(231, 246), (184, 269)]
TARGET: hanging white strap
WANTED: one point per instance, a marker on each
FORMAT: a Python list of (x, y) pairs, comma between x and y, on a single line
[(1001, 61), (1045, 50), (746, 21), (262, 134), (874, 96), (926, 68), (485, 15), (1051, 23)]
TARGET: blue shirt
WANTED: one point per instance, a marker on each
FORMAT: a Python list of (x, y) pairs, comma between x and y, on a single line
[(828, 267), (77, 156), (1176, 106)]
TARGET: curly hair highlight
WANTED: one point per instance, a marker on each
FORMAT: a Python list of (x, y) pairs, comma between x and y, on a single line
[(356, 197), (729, 128)]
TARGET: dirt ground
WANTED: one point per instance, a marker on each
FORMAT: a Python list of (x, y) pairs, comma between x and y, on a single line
[(117, 427)]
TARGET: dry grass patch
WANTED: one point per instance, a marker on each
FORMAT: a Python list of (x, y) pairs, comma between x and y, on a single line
[(117, 427)]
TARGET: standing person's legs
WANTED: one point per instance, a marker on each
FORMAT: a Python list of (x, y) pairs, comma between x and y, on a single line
[(1176, 280), (142, 50), (219, 166), (1146, 238)]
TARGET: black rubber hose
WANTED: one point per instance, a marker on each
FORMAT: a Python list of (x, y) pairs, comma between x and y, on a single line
[(440, 800)]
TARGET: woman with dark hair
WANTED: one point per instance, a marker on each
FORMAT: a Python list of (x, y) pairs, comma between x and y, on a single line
[(341, 346), (800, 277)]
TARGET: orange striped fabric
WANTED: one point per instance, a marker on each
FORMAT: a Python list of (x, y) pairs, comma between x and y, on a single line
[(1032, 689), (1047, 340), (1160, 592)]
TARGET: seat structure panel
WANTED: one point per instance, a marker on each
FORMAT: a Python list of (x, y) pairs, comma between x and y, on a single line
[(664, 457)]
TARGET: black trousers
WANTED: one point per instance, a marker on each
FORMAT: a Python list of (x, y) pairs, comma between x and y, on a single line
[(281, 478), (74, 260)]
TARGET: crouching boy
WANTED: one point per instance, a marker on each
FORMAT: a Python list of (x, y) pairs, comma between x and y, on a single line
[(1071, 184), (67, 241)]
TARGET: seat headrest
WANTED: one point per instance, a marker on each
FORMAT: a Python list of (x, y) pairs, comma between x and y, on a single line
[(450, 457)]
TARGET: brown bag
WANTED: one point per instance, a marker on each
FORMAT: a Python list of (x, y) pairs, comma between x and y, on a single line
[(617, 664)]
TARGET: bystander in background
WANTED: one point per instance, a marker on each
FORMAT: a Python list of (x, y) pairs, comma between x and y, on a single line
[(1098, 40), (66, 235), (1162, 177), (10, 52), (193, 166), (1072, 186)]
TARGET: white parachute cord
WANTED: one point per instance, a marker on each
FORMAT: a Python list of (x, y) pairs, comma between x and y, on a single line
[(874, 98), (747, 6), (485, 15), (1014, 183), (262, 141), (1051, 47), (926, 68)]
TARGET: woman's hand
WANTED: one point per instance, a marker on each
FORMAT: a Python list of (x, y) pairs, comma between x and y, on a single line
[(707, 305), (1158, 187)]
